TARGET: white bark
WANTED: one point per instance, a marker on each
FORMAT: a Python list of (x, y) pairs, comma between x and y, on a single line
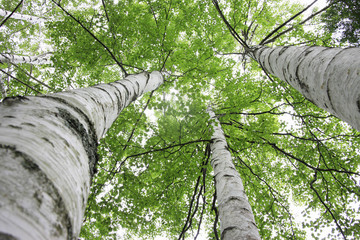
[(235, 214), (328, 77), (23, 17), (48, 152), (2, 87), (38, 60)]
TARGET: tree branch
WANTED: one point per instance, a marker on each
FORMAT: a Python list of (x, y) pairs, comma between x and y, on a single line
[(101, 43), (286, 22), (301, 23), (29, 75), (7, 18), (106, 13), (231, 29), (325, 205), (21, 81)]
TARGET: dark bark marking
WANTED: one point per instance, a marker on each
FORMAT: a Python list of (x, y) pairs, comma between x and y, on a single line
[(126, 90), (138, 88), (358, 104), (89, 138), (303, 86), (283, 50), (88, 141), (327, 83), (308, 51), (15, 127), (147, 78), (11, 101), (118, 96), (48, 186), (97, 87), (5, 236), (28, 124), (8, 117), (226, 230), (47, 140), (271, 52)]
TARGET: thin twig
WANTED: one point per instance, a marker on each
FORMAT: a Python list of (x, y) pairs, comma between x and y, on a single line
[(20, 81), (29, 75), (232, 30), (325, 205), (216, 214), (101, 43), (137, 121), (301, 23), (106, 13), (7, 18), (286, 22)]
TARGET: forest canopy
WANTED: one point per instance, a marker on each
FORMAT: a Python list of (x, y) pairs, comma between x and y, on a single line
[(154, 176)]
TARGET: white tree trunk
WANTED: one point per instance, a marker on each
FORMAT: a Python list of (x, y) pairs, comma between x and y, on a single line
[(23, 17), (48, 152), (328, 77), (38, 60), (2, 87), (235, 214)]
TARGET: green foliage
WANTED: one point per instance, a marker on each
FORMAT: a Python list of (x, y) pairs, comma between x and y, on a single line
[(151, 177), (343, 18)]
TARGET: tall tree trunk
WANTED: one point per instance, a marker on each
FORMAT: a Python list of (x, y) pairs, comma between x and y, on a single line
[(328, 77), (48, 152), (235, 214), (38, 60), (23, 17)]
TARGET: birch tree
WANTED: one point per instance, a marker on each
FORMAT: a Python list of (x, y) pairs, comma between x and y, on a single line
[(328, 77), (153, 175), (49, 188), (10, 58), (236, 217)]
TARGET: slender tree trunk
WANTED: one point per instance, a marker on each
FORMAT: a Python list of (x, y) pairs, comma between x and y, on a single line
[(2, 87), (235, 214), (38, 60), (48, 153), (23, 17), (328, 77)]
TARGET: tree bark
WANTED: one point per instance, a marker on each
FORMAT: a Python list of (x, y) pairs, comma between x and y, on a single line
[(38, 60), (23, 17), (235, 214), (48, 153), (328, 77)]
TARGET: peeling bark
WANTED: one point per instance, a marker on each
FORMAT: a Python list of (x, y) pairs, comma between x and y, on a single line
[(235, 214), (328, 77), (48, 155)]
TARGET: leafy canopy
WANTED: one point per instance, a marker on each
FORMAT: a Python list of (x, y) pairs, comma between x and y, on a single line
[(154, 176)]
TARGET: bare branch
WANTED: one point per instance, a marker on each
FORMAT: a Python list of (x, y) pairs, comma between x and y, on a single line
[(7, 18), (20, 81), (232, 30), (106, 13), (29, 75), (286, 22), (325, 205), (137, 121), (101, 43), (301, 23)]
